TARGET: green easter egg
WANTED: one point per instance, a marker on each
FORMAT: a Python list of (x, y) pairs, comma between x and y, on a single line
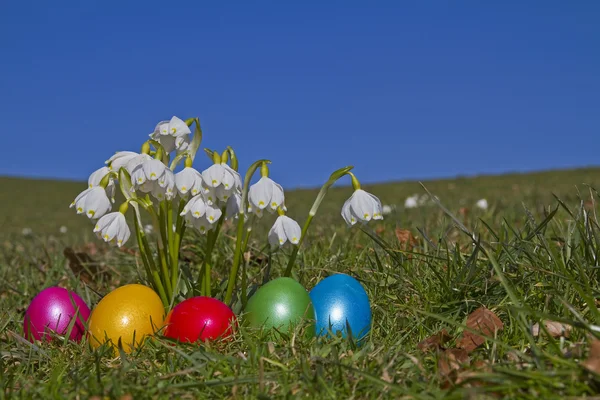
[(282, 303)]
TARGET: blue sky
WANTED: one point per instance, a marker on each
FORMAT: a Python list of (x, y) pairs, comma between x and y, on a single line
[(401, 90)]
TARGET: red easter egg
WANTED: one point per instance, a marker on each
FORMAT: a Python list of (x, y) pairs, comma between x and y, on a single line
[(199, 318)]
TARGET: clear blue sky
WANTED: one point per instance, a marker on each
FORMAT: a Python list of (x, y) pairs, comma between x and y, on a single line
[(400, 89)]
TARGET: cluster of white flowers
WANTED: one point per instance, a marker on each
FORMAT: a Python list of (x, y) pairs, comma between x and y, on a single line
[(210, 195)]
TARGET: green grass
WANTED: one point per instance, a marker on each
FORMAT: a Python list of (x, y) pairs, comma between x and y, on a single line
[(534, 257)]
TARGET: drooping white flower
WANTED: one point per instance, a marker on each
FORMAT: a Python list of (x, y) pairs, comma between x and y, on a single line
[(127, 159), (188, 180), (200, 214), (195, 208), (266, 194), (93, 202), (222, 175), (412, 201), (234, 204), (172, 134), (152, 176), (482, 204), (284, 230), (361, 206), (113, 228), (220, 182), (96, 177)]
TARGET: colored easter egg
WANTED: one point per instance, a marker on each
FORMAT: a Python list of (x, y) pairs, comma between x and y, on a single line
[(128, 312), (281, 304), (199, 318), (340, 300), (53, 310)]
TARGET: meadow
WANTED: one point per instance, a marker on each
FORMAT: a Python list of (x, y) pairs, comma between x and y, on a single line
[(467, 302)]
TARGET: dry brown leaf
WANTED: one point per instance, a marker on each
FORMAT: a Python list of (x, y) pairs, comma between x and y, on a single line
[(479, 367), (380, 229), (481, 320), (452, 360), (434, 342), (554, 328), (463, 211), (592, 363), (406, 238)]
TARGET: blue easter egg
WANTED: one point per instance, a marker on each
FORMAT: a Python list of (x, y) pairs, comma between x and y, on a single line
[(341, 299)]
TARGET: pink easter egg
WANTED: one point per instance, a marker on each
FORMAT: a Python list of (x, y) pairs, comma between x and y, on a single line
[(52, 310)]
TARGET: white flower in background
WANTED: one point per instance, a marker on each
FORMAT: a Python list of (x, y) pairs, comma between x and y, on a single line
[(220, 181), (148, 229), (233, 205), (26, 232), (210, 194), (266, 194), (412, 201), (172, 135), (361, 206), (152, 176), (424, 199), (195, 208), (386, 210), (93, 202), (482, 204), (113, 228), (96, 177), (200, 214), (284, 230), (127, 159), (188, 180), (63, 229)]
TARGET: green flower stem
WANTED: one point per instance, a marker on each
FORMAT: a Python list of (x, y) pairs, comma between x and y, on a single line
[(170, 247), (244, 277), (313, 211), (148, 262), (159, 220), (232, 158), (237, 255), (179, 230), (210, 245)]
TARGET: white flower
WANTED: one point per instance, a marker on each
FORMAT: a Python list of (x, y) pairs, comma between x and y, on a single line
[(284, 230), (412, 201), (113, 228), (26, 232), (148, 229), (93, 202), (222, 175), (127, 159), (386, 210), (63, 229), (482, 204), (220, 182), (172, 134), (361, 206), (96, 177), (152, 176), (200, 214), (210, 194), (234, 204), (195, 208), (188, 180), (266, 193)]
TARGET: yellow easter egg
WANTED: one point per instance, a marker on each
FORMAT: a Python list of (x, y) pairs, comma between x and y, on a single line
[(128, 312)]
